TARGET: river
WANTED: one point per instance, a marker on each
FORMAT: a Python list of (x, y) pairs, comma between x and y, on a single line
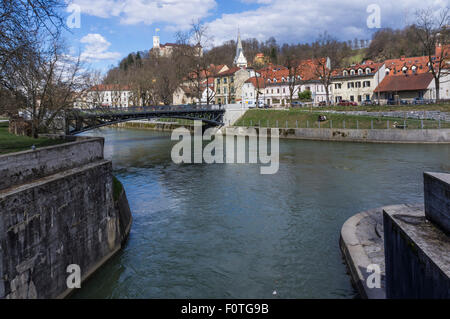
[(226, 231)]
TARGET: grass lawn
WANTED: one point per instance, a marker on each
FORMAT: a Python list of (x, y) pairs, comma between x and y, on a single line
[(387, 108), (10, 143), (302, 118)]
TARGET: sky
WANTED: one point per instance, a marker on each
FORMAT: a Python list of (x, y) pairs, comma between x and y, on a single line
[(105, 31)]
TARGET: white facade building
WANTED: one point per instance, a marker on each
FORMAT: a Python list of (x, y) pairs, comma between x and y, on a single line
[(105, 95)]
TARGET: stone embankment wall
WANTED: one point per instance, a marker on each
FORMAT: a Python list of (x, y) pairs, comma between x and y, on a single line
[(417, 244), (349, 135), (57, 209), (417, 115)]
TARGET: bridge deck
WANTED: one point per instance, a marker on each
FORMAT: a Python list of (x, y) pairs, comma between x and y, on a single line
[(81, 120)]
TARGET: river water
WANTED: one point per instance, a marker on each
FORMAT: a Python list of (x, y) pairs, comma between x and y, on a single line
[(225, 231)]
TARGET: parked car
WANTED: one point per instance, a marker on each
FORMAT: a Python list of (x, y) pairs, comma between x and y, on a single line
[(297, 104), (323, 103), (347, 103)]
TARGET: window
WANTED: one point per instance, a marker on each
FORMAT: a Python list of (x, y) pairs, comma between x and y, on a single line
[(387, 71), (284, 90), (358, 84), (404, 69), (218, 81), (368, 71), (224, 90), (345, 73), (359, 98), (352, 98), (352, 72), (218, 90), (360, 71), (232, 80), (224, 80)]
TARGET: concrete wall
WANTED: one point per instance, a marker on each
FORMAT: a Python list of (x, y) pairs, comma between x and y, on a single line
[(66, 217), (348, 135), (417, 255), (233, 112), (22, 167), (437, 199)]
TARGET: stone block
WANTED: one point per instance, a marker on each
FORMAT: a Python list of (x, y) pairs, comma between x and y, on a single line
[(437, 199)]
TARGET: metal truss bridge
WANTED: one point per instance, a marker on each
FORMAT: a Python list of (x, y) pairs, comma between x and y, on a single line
[(82, 120)]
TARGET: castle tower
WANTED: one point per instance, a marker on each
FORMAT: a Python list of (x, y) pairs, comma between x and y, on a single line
[(240, 60), (156, 42)]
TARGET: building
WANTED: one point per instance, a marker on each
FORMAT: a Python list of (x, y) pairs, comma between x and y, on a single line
[(106, 95), (357, 82), (407, 87), (186, 93), (228, 85), (278, 84), (261, 59), (166, 50), (252, 89)]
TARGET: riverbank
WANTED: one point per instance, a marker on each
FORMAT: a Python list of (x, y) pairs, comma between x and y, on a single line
[(152, 126), (432, 136), (298, 118)]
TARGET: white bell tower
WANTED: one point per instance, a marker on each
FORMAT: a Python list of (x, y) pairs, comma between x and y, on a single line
[(156, 41)]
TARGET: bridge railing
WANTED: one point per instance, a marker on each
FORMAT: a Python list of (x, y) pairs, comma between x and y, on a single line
[(152, 108)]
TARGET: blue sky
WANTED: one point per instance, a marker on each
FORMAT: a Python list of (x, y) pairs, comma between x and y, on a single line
[(110, 29)]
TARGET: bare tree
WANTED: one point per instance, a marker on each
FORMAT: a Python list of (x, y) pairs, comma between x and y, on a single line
[(431, 32), (198, 67), (329, 54), (293, 64), (20, 22), (45, 84)]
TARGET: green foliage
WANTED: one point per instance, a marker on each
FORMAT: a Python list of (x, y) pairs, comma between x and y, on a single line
[(305, 118), (10, 143), (117, 188), (305, 95)]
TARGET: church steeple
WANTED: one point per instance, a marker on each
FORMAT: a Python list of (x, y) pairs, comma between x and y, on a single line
[(240, 60)]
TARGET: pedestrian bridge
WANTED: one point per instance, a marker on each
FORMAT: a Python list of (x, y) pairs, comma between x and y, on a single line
[(82, 120)]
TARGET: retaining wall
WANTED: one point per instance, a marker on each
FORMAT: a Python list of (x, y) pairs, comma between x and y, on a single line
[(21, 167), (64, 214), (351, 135)]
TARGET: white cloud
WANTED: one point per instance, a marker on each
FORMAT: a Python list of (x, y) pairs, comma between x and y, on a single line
[(302, 21), (178, 13), (96, 48)]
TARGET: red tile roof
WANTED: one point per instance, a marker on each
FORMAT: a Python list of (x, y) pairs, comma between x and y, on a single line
[(231, 71), (396, 66), (260, 80), (374, 67), (306, 69), (397, 83)]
